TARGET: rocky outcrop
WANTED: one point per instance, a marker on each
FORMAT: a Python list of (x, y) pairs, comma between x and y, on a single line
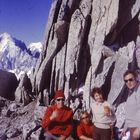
[(18, 122), (88, 43), (8, 84), (23, 93)]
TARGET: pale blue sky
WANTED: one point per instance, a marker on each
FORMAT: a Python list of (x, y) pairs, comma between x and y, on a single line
[(24, 19)]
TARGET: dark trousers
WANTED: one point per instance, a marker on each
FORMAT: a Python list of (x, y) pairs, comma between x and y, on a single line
[(102, 134), (49, 136), (117, 133)]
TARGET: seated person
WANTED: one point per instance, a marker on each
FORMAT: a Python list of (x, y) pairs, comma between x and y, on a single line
[(85, 127), (57, 120)]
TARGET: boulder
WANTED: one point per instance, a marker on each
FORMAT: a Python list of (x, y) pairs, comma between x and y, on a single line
[(8, 84)]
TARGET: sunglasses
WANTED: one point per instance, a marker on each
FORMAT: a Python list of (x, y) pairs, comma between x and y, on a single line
[(84, 117), (128, 80), (60, 99)]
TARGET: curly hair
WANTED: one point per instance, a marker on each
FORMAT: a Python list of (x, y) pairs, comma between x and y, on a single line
[(96, 90)]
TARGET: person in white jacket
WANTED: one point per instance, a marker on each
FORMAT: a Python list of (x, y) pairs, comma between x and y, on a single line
[(103, 116)]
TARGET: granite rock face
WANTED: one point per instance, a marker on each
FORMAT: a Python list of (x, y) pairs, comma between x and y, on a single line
[(88, 43)]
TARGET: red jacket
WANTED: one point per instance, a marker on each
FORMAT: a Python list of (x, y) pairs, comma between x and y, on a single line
[(85, 130), (61, 125)]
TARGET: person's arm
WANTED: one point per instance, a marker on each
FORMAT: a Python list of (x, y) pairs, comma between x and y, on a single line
[(113, 116), (82, 137), (68, 124), (80, 133), (125, 129), (47, 119), (62, 137), (136, 133)]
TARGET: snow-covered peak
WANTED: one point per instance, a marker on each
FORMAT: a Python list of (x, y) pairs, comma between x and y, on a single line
[(5, 40), (5, 36), (35, 46), (16, 57), (9, 42), (35, 49)]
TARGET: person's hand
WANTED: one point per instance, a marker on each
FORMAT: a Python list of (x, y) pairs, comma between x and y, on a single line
[(123, 133), (107, 111), (90, 138), (136, 133), (62, 137), (85, 138), (54, 114)]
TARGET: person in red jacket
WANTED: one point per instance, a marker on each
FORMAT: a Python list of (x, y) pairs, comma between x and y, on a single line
[(57, 120), (85, 127)]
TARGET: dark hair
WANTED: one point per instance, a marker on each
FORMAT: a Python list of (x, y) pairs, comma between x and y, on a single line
[(96, 90), (130, 72)]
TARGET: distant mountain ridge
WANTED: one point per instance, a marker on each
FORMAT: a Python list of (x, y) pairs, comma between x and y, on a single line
[(16, 56)]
